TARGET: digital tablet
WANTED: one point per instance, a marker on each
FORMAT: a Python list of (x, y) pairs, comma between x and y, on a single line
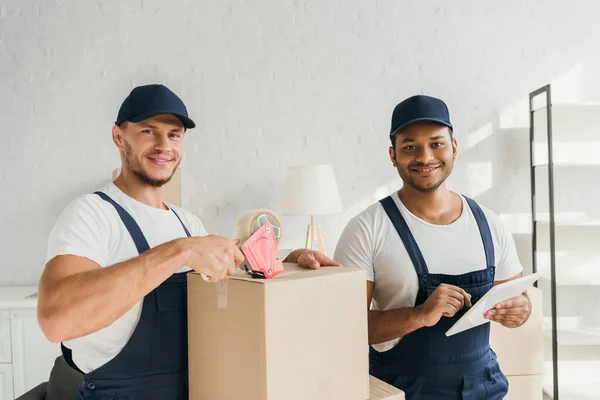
[(475, 315)]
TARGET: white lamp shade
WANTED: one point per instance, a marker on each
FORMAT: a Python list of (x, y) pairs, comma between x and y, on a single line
[(311, 191)]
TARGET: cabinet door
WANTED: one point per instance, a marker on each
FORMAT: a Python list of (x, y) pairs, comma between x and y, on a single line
[(6, 382), (4, 337), (32, 354)]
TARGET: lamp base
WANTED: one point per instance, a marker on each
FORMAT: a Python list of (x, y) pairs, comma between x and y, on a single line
[(314, 240)]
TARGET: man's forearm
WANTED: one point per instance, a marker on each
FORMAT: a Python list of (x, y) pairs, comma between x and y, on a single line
[(86, 302), (392, 324)]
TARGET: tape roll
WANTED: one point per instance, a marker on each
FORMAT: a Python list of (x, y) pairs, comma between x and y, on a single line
[(252, 220)]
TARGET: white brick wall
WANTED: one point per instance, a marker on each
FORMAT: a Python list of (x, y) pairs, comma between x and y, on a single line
[(272, 84)]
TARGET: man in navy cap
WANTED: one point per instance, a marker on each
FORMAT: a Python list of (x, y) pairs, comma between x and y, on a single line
[(430, 253), (114, 287)]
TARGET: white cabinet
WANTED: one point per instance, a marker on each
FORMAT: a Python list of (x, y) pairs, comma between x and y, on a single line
[(33, 354), (6, 382), (5, 356), (26, 356)]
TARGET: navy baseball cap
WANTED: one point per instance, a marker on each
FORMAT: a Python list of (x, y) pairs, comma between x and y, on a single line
[(419, 108), (151, 100)]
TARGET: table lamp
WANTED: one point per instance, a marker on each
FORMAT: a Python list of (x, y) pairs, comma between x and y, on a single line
[(312, 190)]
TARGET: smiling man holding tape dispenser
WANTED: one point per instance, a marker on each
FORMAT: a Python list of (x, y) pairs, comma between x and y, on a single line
[(114, 287)]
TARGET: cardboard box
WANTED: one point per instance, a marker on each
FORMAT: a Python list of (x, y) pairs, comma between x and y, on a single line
[(524, 387), (520, 350), (302, 336), (383, 391)]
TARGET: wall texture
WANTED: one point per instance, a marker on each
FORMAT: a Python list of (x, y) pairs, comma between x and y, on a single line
[(274, 84)]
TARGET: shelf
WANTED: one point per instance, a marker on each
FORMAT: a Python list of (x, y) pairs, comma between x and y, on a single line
[(570, 164), (576, 337), (575, 391), (570, 235), (571, 333), (570, 222), (569, 219), (520, 223), (578, 380), (566, 280), (570, 123), (17, 296), (571, 154), (566, 110), (579, 269)]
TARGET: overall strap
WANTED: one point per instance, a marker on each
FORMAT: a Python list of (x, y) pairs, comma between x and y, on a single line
[(484, 230), (132, 227), (184, 228), (407, 237)]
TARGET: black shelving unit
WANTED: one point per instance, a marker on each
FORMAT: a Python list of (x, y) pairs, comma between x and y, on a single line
[(539, 92)]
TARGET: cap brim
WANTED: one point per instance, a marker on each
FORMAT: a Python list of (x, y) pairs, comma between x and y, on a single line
[(187, 122), (425, 119)]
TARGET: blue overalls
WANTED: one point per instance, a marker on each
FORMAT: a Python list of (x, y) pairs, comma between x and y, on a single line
[(426, 364), (153, 364)]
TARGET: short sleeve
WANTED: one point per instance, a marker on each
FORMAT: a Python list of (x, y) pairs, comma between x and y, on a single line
[(508, 264), (354, 249), (82, 229), (198, 229)]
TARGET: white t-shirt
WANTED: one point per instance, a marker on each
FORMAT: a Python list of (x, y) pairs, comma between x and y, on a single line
[(371, 242), (90, 227)]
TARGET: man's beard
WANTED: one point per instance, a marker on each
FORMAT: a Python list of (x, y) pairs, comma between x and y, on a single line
[(407, 178), (134, 166)]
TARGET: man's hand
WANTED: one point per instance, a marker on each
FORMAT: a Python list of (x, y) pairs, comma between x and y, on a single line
[(312, 259), (214, 256), (511, 313), (445, 301)]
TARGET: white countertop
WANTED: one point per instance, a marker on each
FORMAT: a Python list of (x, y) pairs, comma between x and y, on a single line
[(17, 297)]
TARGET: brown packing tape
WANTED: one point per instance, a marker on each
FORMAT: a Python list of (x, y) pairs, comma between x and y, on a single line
[(221, 286), (246, 225), (222, 293)]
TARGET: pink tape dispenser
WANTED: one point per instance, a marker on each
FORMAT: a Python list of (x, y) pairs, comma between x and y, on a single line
[(262, 253)]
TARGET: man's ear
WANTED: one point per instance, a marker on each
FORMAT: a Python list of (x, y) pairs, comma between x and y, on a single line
[(455, 147), (392, 155), (117, 135)]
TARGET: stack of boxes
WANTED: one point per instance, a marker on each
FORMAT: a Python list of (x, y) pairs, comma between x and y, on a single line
[(520, 352)]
